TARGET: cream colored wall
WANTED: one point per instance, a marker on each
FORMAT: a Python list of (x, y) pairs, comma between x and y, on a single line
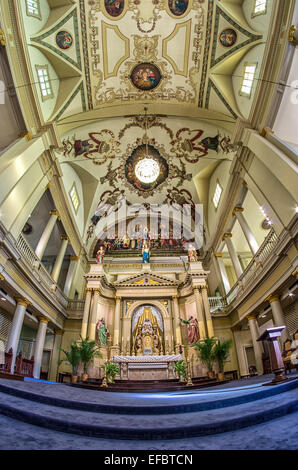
[(34, 25), (69, 178), (38, 58), (222, 330), (242, 339), (254, 55), (258, 23), (221, 174)]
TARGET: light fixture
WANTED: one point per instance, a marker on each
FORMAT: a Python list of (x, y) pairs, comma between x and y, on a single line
[(147, 169), (296, 209)]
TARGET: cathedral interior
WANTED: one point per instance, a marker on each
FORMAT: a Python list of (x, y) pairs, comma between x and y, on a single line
[(148, 212)]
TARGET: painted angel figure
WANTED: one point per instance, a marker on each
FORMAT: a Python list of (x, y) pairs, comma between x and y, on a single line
[(193, 329), (102, 332), (100, 255)]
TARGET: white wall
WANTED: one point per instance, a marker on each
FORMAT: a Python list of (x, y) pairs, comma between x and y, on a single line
[(221, 174), (69, 178)]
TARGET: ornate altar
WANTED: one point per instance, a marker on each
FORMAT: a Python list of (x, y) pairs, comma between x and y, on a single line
[(147, 335), (147, 367)]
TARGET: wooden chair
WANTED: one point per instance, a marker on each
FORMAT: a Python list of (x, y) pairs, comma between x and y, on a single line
[(287, 354)]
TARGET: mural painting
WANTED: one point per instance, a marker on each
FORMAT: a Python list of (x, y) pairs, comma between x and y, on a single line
[(145, 76)]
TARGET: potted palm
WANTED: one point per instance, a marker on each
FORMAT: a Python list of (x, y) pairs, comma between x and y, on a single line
[(205, 350), (180, 368), (221, 354), (73, 357), (88, 350), (111, 371)]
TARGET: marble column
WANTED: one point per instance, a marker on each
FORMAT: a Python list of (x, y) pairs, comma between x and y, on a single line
[(92, 321), (55, 355), (254, 331), (16, 328), (116, 335), (85, 320), (278, 316), (252, 242), (177, 326), (208, 316), (59, 260), (200, 313), (70, 274), (223, 272), (227, 238), (39, 345), (43, 241)]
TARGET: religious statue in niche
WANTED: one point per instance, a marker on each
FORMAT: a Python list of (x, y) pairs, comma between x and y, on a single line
[(228, 37), (192, 254), (192, 330), (64, 40), (145, 76), (178, 7), (147, 335), (114, 7), (100, 255), (146, 252), (102, 332)]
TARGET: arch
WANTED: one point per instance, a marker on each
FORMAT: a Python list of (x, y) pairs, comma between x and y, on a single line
[(155, 303)]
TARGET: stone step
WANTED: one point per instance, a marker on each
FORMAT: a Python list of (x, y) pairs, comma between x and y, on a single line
[(149, 427)]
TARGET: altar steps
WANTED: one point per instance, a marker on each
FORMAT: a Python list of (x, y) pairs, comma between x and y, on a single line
[(213, 417), (148, 386)]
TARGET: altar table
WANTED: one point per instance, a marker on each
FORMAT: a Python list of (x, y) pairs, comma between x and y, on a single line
[(147, 367)]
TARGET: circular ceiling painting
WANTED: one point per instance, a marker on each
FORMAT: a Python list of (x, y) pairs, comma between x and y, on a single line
[(178, 7), (114, 7), (228, 37), (145, 168), (64, 40), (145, 76)]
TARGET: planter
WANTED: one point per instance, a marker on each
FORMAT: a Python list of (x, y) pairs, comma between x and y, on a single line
[(74, 379), (221, 376), (211, 375), (84, 377)]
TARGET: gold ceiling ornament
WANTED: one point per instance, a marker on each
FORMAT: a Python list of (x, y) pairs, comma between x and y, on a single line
[(2, 38)]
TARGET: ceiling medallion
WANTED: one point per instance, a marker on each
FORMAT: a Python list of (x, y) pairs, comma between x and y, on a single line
[(114, 7), (145, 168), (178, 7), (228, 37), (145, 76), (64, 40)]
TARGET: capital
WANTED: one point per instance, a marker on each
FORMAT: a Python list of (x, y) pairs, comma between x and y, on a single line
[(2, 38), (21, 301), (2, 278), (293, 34), (118, 299), (294, 273), (227, 235), (43, 319), (64, 237), (55, 212), (218, 255), (252, 316), (244, 183), (273, 298), (237, 209), (74, 258), (59, 332)]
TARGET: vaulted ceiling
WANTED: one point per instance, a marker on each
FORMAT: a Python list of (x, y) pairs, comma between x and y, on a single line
[(180, 62)]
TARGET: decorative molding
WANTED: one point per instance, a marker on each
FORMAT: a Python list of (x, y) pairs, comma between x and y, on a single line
[(187, 26), (107, 49)]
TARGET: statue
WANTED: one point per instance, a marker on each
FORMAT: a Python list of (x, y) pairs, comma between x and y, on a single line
[(100, 255), (139, 342), (192, 254), (146, 252), (102, 332), (193, 329)]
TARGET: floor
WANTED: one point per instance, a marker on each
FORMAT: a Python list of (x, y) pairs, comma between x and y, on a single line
[(278, 434)]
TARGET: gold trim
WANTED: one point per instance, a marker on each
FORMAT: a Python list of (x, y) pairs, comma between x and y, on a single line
[(273, 298), (252, 316), (2, 278), (115, 28), (291, 37), (295, 273), (74, 258), (227, 235), (218, 255), (165, 42), (43, 320), (2, 38), (237, 209), (59, 332)]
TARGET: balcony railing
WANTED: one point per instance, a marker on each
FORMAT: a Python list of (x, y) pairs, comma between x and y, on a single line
[(254, 268), (36, 265)]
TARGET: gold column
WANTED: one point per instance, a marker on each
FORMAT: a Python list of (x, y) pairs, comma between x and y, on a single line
[(116, 334), (177, 327)]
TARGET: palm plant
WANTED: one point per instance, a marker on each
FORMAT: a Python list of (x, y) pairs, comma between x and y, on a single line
[(180, 368), (205, 350), (73, 357), (88, 350), (111, 370), (221, 353)]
